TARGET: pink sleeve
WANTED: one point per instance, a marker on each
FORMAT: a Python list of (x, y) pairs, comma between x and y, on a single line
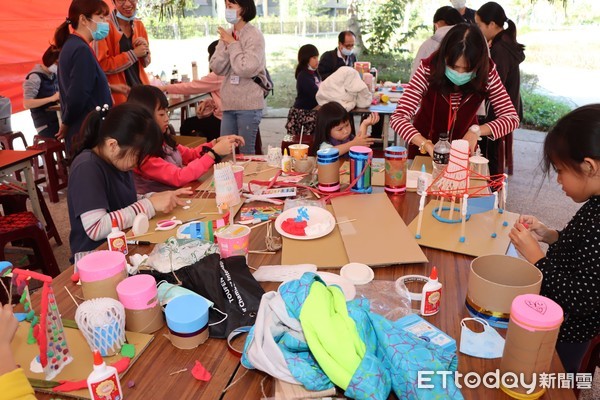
[(209, 83), (160, 170), (188, 154), (507, 119)]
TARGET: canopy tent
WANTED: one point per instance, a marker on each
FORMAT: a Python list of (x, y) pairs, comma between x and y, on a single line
[(26, 30)]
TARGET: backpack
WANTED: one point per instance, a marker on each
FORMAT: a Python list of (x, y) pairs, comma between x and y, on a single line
[(265, 82)]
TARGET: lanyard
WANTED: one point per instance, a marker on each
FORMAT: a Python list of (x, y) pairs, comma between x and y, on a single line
[(452, 111)]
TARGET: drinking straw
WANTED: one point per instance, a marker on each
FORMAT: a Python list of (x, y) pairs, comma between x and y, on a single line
[(301, 133)]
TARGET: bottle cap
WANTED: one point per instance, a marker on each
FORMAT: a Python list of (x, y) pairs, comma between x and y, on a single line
[(285, 152), (433, 276), (114, 223), (98, 358), (423, 168)]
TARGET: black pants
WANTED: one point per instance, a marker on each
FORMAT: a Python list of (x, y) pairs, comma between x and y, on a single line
[(571, 355), (209, 127)]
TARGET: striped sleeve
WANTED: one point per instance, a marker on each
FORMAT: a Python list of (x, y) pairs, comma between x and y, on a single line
[(98, 223), (507, 119), (401, 119)]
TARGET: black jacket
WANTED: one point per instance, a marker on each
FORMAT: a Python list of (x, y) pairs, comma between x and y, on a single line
[(330, 62)]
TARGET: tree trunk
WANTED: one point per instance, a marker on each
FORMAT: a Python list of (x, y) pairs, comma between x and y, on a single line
[(354, 26)]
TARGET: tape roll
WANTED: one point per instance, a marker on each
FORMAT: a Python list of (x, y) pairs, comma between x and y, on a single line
[(413, 278)]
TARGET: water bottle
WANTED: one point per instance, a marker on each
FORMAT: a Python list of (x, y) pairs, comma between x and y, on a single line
[(441, 155)]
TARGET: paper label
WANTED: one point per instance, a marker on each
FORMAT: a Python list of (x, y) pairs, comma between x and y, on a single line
[(118, 244), (432, 302), (107, 389)]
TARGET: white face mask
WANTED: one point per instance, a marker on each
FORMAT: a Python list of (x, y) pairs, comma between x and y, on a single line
[(486, 344), (231, 16), (458, 4), (53, 68), (347, 52)]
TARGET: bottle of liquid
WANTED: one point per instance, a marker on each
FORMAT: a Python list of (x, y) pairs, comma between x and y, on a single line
[(286, 162), (116, 239), (174, 75), (431, 295), (163, 77), (422, 181), (194, 71), (441, 155), (103, 382)]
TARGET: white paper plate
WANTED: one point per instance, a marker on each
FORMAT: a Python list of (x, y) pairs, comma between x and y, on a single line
[(412, 177), (317, 215), (357, 273), (333, 279)]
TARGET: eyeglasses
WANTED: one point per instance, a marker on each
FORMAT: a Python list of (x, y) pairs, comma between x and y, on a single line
[(122, 2)]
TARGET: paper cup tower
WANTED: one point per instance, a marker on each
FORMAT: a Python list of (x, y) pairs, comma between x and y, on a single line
[(226, 188)]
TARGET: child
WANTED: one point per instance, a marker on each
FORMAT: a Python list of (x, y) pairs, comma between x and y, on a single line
[(101, 184), (571, 266), (334, 130), (176, 165)]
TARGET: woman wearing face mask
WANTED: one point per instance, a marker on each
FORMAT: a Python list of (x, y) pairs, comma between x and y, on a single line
[(302, 114), (40, 90), (507, 53), (125, 52), (82, 83), (240, 58), (447, 90)]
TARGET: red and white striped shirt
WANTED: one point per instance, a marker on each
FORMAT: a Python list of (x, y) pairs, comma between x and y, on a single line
[(401, 120)]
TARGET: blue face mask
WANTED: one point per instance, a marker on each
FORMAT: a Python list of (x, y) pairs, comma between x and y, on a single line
[(459, 78), (486, 344), (101, 30), (124, 18), (231, 16)]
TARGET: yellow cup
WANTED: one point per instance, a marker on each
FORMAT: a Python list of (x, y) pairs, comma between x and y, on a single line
[(298, 151)]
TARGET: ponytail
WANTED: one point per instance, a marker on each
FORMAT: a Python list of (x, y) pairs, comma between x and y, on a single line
[(511, 31), (89, 134), (61, 34)]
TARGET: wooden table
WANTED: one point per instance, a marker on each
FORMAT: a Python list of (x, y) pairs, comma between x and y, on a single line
[(184, 101), (12, 161), (151, 372)]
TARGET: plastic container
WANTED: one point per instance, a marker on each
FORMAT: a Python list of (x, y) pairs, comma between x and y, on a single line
[(187, 319), (117, 241), (100, 272), (328, 173), (233, 240), (395, 169), (530, 340), (103, 383), (360, 159), (431, 295), (139, 296)]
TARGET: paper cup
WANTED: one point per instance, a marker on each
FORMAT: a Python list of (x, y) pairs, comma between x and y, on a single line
[(479, 165), (238, 173), (233, 240), (298, 151)]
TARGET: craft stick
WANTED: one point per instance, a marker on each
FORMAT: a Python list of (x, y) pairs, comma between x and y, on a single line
[(233, 152), (495, 200), (138, 236), (504, 187), (441, 206), (261, 252), (71, 295), (452, 207), (262, 223), (421, 208), (464, 217), (347, 220)]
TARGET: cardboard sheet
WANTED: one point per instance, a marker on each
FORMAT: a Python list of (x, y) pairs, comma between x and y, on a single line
[(83, 359), (206, 209), (478, 232), (379, 236), (253, 171), (325, 252)]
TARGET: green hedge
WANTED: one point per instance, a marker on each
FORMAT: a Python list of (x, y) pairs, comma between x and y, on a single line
[(540, 112)]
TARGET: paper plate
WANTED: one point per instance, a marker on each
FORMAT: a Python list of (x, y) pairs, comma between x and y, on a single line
[(412, 177), (317, 215), (357, 273), (333, 279)]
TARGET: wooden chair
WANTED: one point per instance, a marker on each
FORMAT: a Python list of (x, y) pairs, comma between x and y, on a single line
[(52, 170)]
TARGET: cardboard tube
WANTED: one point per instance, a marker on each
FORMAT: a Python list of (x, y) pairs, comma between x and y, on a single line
[(188, 342), (103, 288), (144, 321)]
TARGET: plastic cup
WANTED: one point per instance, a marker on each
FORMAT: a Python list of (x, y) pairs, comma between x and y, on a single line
[(233, 240), (298, 151), (238, 173)]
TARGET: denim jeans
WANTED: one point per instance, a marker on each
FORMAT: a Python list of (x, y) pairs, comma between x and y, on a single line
[(244, 123)]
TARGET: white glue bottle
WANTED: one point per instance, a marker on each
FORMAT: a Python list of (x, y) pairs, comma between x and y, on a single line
[(103, 382), (286, 162), (116, 239), (422, 181), (431, 295)]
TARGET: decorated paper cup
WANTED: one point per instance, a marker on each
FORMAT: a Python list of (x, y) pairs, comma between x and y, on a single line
[(238, 173), (298, 151), (233, 240)]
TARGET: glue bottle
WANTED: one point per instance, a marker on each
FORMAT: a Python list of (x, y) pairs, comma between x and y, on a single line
[(116, 239), (103, 382), (422, 181), (286, 162), (431, 295)]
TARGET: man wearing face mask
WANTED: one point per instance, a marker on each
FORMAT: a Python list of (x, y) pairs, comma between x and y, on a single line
[(468, 14), (40, 91), (125, 52), (343, 55)]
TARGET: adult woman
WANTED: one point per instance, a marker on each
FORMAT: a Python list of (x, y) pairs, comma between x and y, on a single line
[(507, 54), (82, 83), (443, 19), (302, 113), (240, 58), (449, 86)]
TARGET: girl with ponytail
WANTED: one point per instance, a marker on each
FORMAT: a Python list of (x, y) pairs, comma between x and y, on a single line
[(507, 53), (82, 83), (101, 187)]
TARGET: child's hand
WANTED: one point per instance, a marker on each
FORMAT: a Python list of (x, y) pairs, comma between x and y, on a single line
[(167, 201), (372, 119), (8, 324), (526, 243), (362, 140), (538, 230), (222, 145)]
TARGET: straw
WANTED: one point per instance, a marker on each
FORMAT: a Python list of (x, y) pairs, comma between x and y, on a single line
[(343, 222), (301, 133), (262, 223), (233, 152)]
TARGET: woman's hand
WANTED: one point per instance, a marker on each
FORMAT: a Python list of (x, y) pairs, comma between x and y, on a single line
[(526, 243), (472, 138), (141, 50), (167, 201), (225, 36), (120, 88), (62, 132), (222, 145)]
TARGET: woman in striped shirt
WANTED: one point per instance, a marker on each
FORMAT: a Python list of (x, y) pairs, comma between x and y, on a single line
[(446, 92)]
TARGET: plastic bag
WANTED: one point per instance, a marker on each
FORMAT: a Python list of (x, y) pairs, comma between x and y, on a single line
[(386, 299), (178, 253)]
